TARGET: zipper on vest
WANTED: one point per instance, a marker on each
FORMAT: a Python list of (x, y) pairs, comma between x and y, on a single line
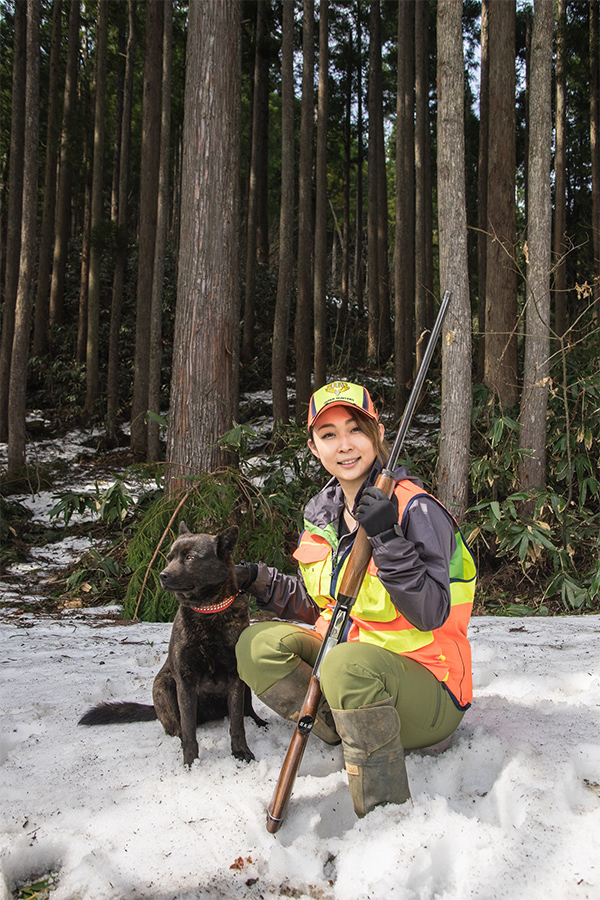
[(337, 562)]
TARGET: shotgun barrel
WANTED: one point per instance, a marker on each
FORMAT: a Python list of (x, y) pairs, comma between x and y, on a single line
[(353, 577)]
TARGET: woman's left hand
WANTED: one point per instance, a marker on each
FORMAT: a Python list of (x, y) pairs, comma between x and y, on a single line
[(376, 512)]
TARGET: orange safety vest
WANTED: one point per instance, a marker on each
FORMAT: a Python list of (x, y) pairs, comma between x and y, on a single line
[(445, 651)]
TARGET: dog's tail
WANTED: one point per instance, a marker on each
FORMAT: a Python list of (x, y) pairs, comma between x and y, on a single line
[(118, 713)]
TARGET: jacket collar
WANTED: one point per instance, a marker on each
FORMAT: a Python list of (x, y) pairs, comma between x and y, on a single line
[(327, 505)]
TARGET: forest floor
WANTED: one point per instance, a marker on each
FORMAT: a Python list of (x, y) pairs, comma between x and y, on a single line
[(41, 556)]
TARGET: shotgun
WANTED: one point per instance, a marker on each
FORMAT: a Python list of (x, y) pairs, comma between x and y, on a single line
[(354, 574)]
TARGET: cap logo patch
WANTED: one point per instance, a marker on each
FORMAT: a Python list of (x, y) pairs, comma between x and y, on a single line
[(337, 387)]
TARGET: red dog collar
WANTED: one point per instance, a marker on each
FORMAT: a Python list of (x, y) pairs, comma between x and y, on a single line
[(216, 607)]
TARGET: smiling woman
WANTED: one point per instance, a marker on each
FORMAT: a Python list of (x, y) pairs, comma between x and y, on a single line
[(401, 678)]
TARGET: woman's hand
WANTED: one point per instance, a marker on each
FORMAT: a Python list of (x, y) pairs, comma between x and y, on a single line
[(245, 574), (376, 512)]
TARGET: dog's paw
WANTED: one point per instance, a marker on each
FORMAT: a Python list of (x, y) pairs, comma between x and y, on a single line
[(244, 754), (190, 755)]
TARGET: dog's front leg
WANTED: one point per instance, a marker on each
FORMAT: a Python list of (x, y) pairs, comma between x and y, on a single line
[(187, 710), (236, 696)]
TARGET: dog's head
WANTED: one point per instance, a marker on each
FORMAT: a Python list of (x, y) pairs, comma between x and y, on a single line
[(200, 563)]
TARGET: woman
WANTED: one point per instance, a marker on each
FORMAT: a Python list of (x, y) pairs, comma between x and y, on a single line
[(402, 677)]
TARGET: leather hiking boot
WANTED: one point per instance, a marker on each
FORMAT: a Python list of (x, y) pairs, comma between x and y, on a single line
[(286, 697), (373, 754)]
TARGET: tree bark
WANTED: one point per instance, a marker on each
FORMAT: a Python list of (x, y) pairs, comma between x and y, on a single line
[(405, 250), (256, 174), (262, 188), (112, 379), (359, 276), (595, 152), (42, 300), (92, 373), (17, 397), (374, 97), (482, 187), (320, 274), (119, 101), (534, 399), (206, 327), (384, 337), (422, 164), (286, 222), (345, 278), (453, 463), (303, 323), (162, 219), (147, 221), (81, 350), (501, 282), (63, 192), (560, 178), (14, 212)]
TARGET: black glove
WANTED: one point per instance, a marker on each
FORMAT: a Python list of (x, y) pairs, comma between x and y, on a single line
[(245, 574), (376, 512)]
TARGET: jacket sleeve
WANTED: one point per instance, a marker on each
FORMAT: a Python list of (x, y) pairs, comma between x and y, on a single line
[(284, 595), (413, 563)]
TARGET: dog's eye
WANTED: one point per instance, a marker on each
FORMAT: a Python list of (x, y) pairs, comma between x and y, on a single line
[(189, 556)]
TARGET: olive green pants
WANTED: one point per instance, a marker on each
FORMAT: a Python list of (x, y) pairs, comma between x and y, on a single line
[(353, 675)]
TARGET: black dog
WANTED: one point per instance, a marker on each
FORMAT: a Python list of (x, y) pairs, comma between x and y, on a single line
[(199, 680)]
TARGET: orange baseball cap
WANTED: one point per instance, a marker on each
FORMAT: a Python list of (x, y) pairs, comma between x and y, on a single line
[(340, 393)]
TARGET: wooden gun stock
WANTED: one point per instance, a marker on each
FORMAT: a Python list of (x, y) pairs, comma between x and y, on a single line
[(293, 757)]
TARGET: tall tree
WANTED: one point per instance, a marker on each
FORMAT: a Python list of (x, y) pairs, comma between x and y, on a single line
[(422, 235), (501, 281), (42, 300), (256, 175), (384, 336), (147, 220), (202, 385), (303, 323), (345, 283), (119, 100), (20, 348), (404, 249), (162, 219), (595, 150), (560, 176), (92, 375), (112, 378), (320, 274), (286, 221), (63, 190), (453, 463), (534, 398), (482, 186), (373, 258), (359, 278), (15, 205)]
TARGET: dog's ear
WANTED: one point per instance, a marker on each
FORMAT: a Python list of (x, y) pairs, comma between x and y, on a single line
[(226, 542), (183, 529)]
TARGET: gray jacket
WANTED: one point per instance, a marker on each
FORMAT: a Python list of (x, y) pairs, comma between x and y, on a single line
[(413, 560)]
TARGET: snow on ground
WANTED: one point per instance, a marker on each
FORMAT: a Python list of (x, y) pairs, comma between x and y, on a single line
[(511, 810)]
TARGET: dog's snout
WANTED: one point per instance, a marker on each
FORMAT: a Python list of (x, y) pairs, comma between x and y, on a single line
[(164, 576)]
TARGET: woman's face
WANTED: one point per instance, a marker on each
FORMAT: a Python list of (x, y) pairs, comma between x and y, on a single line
[(344, 450)]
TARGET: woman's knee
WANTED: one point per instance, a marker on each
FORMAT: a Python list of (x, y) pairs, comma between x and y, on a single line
[(351, 676), (268, 651)]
